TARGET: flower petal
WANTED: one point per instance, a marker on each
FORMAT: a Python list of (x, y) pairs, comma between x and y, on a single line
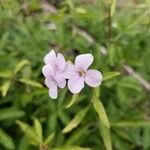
[(93, 78), (61, 62), (61, 82), (49, 82), (47, 70), (50, 57), (68, 71), (53, 92), (75, 84), (84, 61)]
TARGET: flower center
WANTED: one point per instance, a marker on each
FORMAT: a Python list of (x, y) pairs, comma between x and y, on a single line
[(81, 72)]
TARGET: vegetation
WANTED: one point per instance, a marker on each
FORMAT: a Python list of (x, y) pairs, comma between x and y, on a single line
[(115, 115)]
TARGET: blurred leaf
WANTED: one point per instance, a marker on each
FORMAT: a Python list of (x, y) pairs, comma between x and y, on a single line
[(145, 139), (38, 130), (11, 113), (5, 74), (108, 1), (113, 7), (99, 108), (81, 10), (105, 133), (71, 147), (20, 65), (131, 124), (29, 132), (31, 82), (73, 100), (6, 140), (110, 75), (49, 138), (76, 120), (5, 87)]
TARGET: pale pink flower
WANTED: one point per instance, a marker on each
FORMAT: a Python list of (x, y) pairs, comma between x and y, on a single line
[(52, 70), (79, 73)]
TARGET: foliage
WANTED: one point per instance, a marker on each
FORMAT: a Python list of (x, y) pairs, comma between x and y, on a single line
[(113, 116)]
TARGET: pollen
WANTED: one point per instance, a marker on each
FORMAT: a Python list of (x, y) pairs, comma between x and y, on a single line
[(81, 73)]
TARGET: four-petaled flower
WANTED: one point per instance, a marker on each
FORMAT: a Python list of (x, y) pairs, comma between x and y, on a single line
[(79, 73)]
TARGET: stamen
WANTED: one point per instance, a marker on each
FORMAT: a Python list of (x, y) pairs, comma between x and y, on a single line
[(81, 72)]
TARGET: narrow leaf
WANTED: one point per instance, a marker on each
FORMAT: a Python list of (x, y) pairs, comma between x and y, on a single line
[(5, 87), (71, 147), (76, 120), (49, 138), (30, 82), (110, 75), (21, 65), (132, 124), (10, 113), (73, 100), (101, 112), (5, 74), (113, 7), (105, 133), (6, 140), (38, 129), (29, 132)]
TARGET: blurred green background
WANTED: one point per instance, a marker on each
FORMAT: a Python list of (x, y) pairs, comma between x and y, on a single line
[(117, 33)]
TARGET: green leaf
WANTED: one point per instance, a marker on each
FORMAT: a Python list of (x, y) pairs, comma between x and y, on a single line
[(6, 140), (105, 133), (29, 132), (113, 7), (21, 65), (107, 2), (98, 106), (5, 74), (71, 147), (30, 82), (76, 120), (73, 100), (38, 129), (145, 139), (49, 138), (110, 75), (131, 124), (5, 87), (10, 113)]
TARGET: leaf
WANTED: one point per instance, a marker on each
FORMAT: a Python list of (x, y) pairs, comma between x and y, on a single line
[(30, 82), (38, 129), (113, 7), (110, 75), (6, 140), (5, 87), (10, 113), (105, 133), (132, 124), (5, 74), (30, 133), (145, 139), (71, 147), (101, 112), (21, 65), (73, 100), (49, 138), (76, 120), (107, 2)]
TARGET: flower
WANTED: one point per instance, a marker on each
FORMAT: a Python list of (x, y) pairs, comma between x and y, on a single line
[(53, 71), (79, 73)]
